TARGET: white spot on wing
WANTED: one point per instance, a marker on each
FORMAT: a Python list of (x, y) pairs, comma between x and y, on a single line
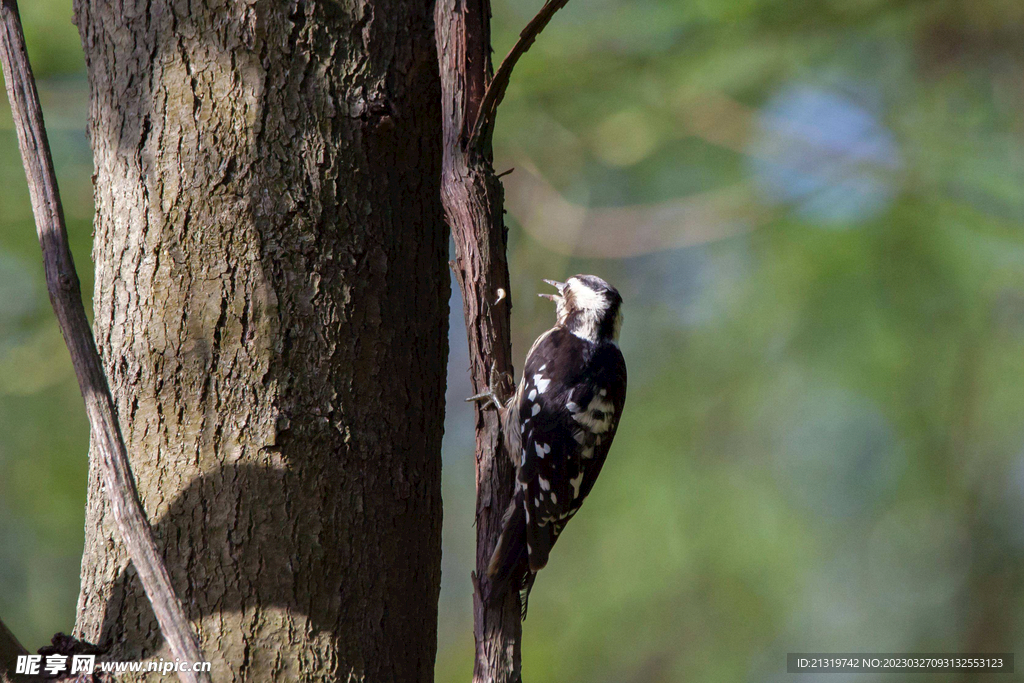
[(576, 484), (532, 395), (591, 421), (536, 409), (545, 485), (554, 498), (542, 384), (542, 449)]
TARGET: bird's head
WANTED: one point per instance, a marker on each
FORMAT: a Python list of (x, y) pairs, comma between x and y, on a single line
[(588, 307)]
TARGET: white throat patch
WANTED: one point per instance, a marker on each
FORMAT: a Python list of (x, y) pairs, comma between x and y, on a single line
[(587, 328), (591, 306), (587, 298)]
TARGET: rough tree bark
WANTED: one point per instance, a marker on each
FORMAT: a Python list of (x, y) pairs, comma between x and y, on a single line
[(62, 284), (473, 198), (271, 307), (474, 206)]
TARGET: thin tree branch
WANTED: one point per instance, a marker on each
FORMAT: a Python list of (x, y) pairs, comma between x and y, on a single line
[(66, 297), (474, 206), (10, 650), (483, 123), (473, 203)]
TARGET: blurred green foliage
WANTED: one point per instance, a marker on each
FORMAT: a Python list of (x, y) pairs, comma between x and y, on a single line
[(814, 211)]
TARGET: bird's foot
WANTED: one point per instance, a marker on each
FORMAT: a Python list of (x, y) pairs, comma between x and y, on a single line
[(489, 396)]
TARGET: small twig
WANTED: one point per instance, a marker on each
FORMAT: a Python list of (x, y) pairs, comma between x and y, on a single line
[(66, 297), (496, 88), (505, 173), (10, 650)]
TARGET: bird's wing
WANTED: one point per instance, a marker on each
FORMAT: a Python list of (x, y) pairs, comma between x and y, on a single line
[(549, 457), (569, 405), (599, 404), (549, 463)]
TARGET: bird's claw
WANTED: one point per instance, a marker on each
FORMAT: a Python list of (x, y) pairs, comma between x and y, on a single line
[(489, 396)]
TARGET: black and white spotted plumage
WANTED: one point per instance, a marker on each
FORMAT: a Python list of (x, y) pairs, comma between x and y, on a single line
[(560, 425)]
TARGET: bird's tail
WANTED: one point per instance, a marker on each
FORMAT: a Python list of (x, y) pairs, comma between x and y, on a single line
[(509, 568)]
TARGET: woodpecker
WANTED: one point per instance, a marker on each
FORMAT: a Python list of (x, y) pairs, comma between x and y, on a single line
[(558, 426)]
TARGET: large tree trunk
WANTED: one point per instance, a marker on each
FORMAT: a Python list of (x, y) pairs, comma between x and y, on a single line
[(271, 306)]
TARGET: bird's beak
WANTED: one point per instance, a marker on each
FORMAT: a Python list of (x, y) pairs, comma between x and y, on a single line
[(557, 285)]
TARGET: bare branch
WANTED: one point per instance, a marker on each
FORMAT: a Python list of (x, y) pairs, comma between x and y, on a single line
[(472, 198), (66, 297), (484, 121), (10, 650)]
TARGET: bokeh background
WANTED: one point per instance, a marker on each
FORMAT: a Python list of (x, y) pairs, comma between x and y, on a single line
[(814, 211)]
